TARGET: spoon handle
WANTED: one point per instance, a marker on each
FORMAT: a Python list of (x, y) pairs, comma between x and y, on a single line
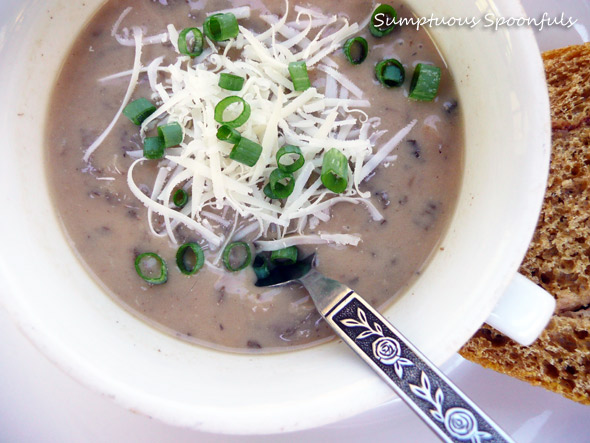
[(408, 372)]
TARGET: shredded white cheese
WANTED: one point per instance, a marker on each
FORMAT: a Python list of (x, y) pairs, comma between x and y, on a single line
[(137, 34), (315, 120), (297, 240)]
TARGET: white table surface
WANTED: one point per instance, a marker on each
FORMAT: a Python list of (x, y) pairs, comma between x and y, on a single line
[(39, 403)]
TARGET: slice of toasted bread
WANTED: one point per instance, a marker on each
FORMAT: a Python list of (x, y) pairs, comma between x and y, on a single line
[(559, 256)]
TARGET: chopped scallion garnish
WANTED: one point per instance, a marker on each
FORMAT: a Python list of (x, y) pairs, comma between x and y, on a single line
[(281, 183), (285, 256), (171, 134), (425, 82), (261, 267), (180, 198), (228, 134), (356, 50), (268, 192), (189, 263), (224, 104), (196, 45), (220, 27), (153, 148), (246, 151), (152, 268), (228, 252), (334, 173), (382, 20), (299, 75), (287, 151), (138, 110), (231, 82), (390, 73)]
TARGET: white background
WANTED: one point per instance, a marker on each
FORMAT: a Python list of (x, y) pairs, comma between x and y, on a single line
[(39, 403)]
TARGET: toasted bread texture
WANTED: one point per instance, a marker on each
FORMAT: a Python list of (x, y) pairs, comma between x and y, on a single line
[(558, 258)]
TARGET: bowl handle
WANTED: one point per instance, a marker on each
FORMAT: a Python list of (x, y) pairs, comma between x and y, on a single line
[(523, 311)]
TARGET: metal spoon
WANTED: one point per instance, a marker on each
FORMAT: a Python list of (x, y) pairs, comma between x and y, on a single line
[(448, 412)]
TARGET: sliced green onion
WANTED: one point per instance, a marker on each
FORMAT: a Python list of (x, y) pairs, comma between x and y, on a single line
[(196, 45), (287, 150), (425, 82), (382, 21), (180, 198), (207, 23), (394, 74), (224, 104), (227, 253), (261, 267), (356, 50), (334, 173), (246, 151), (152, 268), (137, 111), (285, 256), (299, 75), (278, 189), (220, 27), (268, 192), (231, 82), (390, 73), (171, 134), (228, 134), (185, 262), (153, 148)]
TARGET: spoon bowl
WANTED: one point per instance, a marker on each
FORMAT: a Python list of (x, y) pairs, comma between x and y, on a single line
[(287, 274)]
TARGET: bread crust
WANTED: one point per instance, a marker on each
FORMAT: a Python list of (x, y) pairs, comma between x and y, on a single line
[(558, 258)]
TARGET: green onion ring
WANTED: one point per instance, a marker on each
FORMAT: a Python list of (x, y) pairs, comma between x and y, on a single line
[(240, 119), (138, 110), (206, 23), (181, 258), (356, 50), (220, 27), (246, 151), (261, 266), (390, 73), (171, 134), (286, 150), (161, 278), (268, 192), (197, 44), (299, 75), (425, 82), (383, 14), (228, 134), (153, 148), (278, 189), (334, 173), (231, 82), (227, 253), (180, 198), (285, 256)]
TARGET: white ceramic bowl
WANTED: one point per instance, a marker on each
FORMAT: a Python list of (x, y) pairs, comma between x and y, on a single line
[(503, 95)]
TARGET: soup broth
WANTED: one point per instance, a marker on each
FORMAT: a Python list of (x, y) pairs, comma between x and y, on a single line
[(415, 192)]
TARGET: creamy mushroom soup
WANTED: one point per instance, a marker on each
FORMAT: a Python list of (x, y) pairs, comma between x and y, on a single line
[(375, 235)]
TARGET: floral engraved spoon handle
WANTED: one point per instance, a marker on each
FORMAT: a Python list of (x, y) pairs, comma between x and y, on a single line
[(408, 372)]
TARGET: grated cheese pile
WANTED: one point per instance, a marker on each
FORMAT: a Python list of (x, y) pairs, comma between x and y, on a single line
[(227, 202)]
